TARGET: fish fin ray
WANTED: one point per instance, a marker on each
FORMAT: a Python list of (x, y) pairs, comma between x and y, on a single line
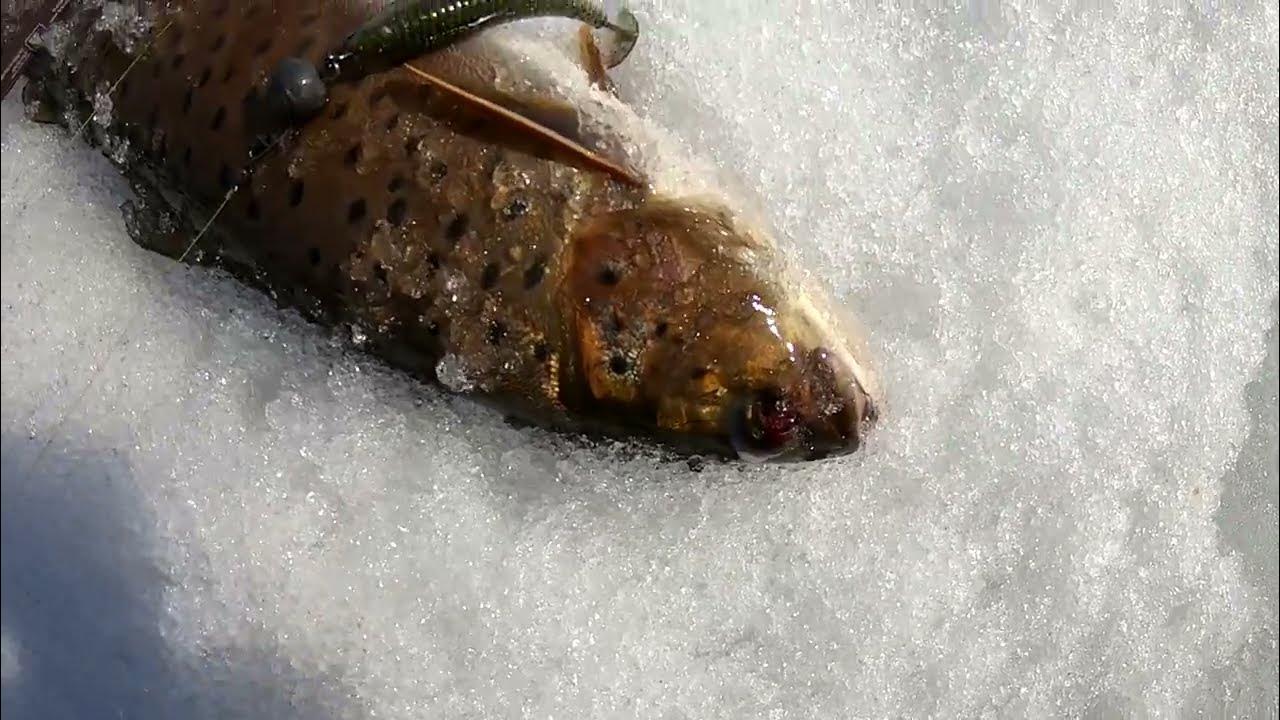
[(534, 121)]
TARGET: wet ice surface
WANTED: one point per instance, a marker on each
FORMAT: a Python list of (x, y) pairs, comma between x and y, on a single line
[(1061, 233)]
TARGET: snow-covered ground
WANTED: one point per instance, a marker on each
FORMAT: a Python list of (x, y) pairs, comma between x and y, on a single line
[(1060, 229)]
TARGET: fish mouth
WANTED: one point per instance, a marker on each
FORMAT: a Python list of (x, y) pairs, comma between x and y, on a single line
[(824, 415), (845, 412)]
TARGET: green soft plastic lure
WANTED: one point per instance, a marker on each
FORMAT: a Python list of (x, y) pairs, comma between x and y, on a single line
[(406, 29)]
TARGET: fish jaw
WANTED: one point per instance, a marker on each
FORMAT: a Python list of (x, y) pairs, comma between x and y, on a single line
[(842, 367), (847, 354)]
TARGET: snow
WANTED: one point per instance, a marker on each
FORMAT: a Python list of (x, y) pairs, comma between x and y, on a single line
[(1058, 226)]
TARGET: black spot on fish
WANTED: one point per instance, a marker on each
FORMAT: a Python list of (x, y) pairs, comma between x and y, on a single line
[(699, 372), (186, 101), (356, 211), (204, 76), (396, 183), (457, 227), (263, 46), (393, 121), (219, 116), (295, 193), (515, 209), (380, 272), (376, 96), (433, 259), (541, 352), (497, 331), (618, 364), (396, 211), (489, 276), (218, 42), (534, 273), (609, 275), (177, 61), (411, 146), (313, 256), (353, 155), (229, 73), (661, 328), (339, 109)]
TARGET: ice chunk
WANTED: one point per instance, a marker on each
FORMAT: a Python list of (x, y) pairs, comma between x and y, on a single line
[(128, 23), (453, 373)]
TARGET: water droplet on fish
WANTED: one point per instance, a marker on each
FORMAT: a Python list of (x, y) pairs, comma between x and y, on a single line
[(454, 285)]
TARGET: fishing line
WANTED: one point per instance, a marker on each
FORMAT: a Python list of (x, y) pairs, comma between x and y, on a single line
[(125, 334), (112, 90), (70, 146)]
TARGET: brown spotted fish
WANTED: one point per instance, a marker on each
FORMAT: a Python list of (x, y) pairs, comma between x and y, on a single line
[(471, 221)]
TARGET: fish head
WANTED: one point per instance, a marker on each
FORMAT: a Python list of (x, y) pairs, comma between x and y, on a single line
[(685, 324)]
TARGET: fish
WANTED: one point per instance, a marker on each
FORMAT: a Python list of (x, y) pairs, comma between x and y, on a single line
[(472, 226)]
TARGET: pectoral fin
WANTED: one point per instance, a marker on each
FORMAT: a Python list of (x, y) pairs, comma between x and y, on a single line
[(592, 62)]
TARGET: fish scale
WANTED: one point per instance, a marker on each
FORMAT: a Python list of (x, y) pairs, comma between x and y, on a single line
[(451, 239)]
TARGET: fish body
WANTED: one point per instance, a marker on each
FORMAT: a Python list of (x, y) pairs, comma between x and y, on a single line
[(465, 251)]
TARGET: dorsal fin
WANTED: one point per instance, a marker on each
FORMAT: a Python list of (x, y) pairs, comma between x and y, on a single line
[(543, 124)]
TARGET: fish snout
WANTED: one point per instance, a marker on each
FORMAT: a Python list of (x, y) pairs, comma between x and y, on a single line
[(840, 408)]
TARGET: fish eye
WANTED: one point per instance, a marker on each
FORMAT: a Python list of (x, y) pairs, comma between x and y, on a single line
[(762, 427)]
